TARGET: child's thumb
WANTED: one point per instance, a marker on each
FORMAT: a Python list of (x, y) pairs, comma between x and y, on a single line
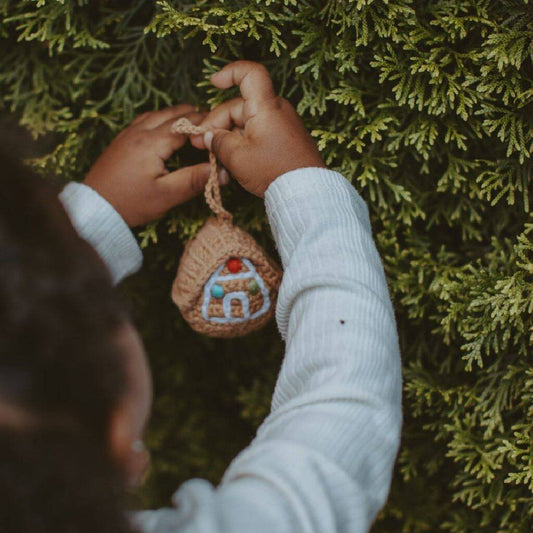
[(224, 144)]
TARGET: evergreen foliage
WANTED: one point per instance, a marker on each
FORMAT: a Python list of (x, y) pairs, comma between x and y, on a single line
[(427, 107)]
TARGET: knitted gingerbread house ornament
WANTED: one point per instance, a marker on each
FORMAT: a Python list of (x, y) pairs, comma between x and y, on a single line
[(226, 284)]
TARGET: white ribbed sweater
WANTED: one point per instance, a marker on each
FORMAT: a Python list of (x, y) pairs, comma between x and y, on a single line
[(322, 460)]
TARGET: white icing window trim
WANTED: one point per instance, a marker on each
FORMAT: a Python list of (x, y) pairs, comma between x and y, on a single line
[(235, 295)]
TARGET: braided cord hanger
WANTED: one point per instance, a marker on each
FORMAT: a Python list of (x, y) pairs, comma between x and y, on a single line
[(212, 187)]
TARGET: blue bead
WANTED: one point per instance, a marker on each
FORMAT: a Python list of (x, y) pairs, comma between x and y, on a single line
[(217, 291)]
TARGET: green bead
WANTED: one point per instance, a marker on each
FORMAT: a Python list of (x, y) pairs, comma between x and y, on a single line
[(253, 287), (217, 291)]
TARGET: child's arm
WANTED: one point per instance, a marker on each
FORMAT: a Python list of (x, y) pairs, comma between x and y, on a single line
[(129, 185), (322, 460)]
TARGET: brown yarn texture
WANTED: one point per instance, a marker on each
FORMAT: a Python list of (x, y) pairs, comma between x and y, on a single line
[(218, 241)]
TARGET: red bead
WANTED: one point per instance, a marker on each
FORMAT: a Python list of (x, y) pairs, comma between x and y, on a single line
[(234, 265)]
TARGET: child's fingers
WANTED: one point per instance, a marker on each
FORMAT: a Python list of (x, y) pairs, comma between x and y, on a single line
[(166, 141), (252, 78), (156, 118), (223, 176), (224, 116), (225, 145), (165, 128), (183, 184)]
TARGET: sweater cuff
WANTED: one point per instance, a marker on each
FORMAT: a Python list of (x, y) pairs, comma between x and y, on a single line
[(97, 221), (299, 198)]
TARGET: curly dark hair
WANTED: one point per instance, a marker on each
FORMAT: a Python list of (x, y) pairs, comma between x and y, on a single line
[(60, 368)]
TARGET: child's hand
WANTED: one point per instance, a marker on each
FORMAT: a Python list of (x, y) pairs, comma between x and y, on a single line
[(131, 173), (269, 138)]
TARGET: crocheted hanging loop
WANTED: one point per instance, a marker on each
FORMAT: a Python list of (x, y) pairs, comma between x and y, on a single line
[(226, 284), (212, 188)]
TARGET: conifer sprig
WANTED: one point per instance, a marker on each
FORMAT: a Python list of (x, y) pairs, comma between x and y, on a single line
[(427, 107)]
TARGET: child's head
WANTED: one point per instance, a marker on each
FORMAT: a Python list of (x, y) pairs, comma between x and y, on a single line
[(75, 390)]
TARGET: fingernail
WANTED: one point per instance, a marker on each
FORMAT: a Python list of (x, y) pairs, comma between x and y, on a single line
[(208, 139), (223, 177)]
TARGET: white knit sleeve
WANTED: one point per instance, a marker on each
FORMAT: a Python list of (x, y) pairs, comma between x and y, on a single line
[(322, 460), (97, 221)]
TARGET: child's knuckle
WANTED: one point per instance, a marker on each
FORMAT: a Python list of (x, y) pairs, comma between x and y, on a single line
[(280, 102), (140, 117), (260, 69), (139, 139)]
